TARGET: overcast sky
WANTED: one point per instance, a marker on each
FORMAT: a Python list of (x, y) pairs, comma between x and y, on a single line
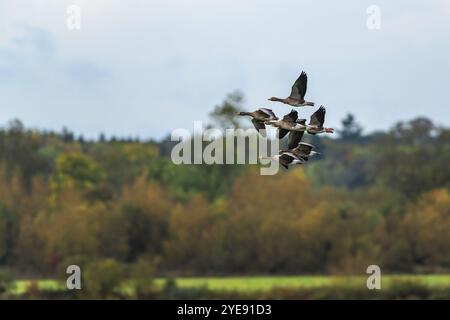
[(144, 68)]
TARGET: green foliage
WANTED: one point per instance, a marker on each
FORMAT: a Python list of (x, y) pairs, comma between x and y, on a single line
[(76, 170), (104, 276), (351, 130), (6, 281), (8, 233), (141, 276), (123, 207), (224, 115)]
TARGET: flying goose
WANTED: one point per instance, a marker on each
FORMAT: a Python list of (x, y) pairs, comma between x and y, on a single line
[(298, 155), (286, 159), (260, 117), (302, 151), (289, 122), (292, 125), (316, 122), (298, 91)]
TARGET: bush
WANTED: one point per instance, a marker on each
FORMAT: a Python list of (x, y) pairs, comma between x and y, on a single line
[(6, 281), (103, 277)]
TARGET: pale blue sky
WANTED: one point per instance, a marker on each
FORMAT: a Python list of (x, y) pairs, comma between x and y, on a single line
[(143, 68)]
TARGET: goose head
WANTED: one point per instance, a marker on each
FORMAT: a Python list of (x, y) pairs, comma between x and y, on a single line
[(276, 99)]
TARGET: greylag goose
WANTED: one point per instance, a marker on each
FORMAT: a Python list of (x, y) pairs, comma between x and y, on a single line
[(292, 125), (289, 122), (260, 117), (286, 159), (302, 151), (316, 122), (298, 155), (298, 91)]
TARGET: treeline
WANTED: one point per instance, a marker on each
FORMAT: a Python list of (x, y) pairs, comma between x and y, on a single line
[(123, 208)]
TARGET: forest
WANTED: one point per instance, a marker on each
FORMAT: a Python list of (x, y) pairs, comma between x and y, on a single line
[(120, 209)]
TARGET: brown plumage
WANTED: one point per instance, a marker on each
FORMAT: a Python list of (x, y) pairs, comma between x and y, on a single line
[(298, 92), (316, 122), (259, 118)]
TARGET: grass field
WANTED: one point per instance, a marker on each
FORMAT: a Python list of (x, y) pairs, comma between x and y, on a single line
[(265, 283)]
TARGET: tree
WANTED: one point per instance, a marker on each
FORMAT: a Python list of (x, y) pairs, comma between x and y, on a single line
[(224, 115), (417, 131), (77, 170), (8, 233), (6, 282), (145, 208), (189, 229), (103, 277), (423, 240), (351, 130)]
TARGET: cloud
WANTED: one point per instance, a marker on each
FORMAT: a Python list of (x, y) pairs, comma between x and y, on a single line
[(30, 57), (421, 24), (136, 62)]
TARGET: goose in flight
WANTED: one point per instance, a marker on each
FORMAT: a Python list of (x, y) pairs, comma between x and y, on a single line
[(316, 122), (302, 151), (298, 91), (297, 155), (289, 122), (286, 159), (260, 117), (292, 125)]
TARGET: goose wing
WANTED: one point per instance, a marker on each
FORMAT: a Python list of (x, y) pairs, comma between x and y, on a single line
[(299, 88), (294, 138), (318, 117), (282, 133), (303, 149), (286, 159), (259, 125), (291, 116), (268, 112)]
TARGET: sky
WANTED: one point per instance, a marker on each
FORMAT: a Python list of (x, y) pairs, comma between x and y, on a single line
[(145, 68)]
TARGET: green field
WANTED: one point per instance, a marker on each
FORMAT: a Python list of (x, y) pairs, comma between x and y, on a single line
[(266, 283)]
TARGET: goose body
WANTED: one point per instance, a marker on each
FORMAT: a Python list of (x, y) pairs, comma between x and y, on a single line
[(302, 151), (316, 122), (288, 123), (298, 92), (292, 125), (260, 117), (286, 159)]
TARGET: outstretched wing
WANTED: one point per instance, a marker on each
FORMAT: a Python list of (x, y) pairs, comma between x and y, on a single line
[(318, 117), (259, 125), (303, 149), (299, 88), (294, 138), (282, 133), (286, 159), (268, 112), (291, 116)]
